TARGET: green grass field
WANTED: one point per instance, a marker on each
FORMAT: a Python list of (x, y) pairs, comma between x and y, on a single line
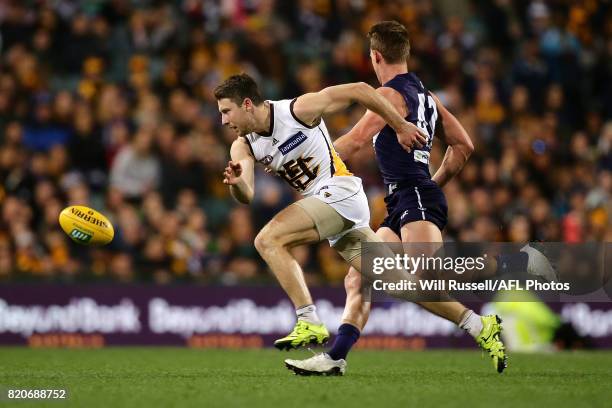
[(166, 377)]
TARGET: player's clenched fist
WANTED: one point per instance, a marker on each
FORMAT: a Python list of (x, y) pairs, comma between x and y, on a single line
[(232, 173), (410, 137)]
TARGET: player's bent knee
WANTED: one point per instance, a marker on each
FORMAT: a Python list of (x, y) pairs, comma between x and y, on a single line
[(259, 243), (265, 241)]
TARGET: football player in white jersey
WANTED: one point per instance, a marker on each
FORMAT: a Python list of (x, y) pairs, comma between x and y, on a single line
[(291, 139)]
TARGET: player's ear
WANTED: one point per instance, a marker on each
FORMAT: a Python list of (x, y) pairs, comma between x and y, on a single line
[(247, 104), (377, 56)]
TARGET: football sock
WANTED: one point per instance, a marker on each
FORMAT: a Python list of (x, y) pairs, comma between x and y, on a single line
[(308, 314), (347, 336), (471, 323)]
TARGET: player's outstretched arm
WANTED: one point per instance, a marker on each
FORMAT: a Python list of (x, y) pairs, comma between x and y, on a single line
[(311, 106), (368, 126), (459, 149), (240, 172)]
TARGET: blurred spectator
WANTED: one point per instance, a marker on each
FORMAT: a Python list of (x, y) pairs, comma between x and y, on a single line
[(135, 170)]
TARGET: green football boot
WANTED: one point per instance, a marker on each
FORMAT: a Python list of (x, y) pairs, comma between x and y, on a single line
[(303, 334), (490, 341)]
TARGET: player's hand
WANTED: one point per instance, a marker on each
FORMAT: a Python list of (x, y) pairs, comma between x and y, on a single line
[(410, 136), (232, 173)]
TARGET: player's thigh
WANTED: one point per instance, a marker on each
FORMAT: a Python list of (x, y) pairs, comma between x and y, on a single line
[(421, 237), (327, 221), (421, 231), (387, 235), (292, 226)]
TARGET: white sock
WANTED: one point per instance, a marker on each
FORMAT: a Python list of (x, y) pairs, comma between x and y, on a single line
[(471, 323), (308, 314)]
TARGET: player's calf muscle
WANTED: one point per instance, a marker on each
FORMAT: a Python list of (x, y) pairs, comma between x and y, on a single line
[(356, 310), (352, 281)]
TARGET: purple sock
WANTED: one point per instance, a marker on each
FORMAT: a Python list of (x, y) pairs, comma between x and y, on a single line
[(346, 337)]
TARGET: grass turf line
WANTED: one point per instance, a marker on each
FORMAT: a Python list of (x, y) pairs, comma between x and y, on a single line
[(152, 377)]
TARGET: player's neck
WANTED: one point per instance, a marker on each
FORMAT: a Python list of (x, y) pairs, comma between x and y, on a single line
[(389, 71), (263, 117)]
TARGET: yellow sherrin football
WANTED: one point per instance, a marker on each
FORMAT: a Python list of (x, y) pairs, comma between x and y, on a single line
[(86, 226)]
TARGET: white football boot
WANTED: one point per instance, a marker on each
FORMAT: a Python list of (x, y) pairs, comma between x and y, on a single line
[(539, 265), (320, 364)]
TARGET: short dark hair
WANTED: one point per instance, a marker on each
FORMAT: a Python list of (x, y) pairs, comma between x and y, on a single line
[(390, 38), (238, 88)]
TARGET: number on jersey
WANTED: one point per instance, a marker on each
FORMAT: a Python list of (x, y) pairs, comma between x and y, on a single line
[(422, 120)]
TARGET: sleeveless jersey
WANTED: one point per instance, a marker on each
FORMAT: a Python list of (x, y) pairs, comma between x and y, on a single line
[(397, 165), (302, 155)]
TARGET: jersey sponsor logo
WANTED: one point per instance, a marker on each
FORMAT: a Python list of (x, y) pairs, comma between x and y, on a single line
[(266, 160), (274, 141), (298, 174), (293, 142)]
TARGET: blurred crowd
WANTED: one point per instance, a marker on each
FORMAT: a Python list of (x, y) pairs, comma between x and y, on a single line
[(109, 104)]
